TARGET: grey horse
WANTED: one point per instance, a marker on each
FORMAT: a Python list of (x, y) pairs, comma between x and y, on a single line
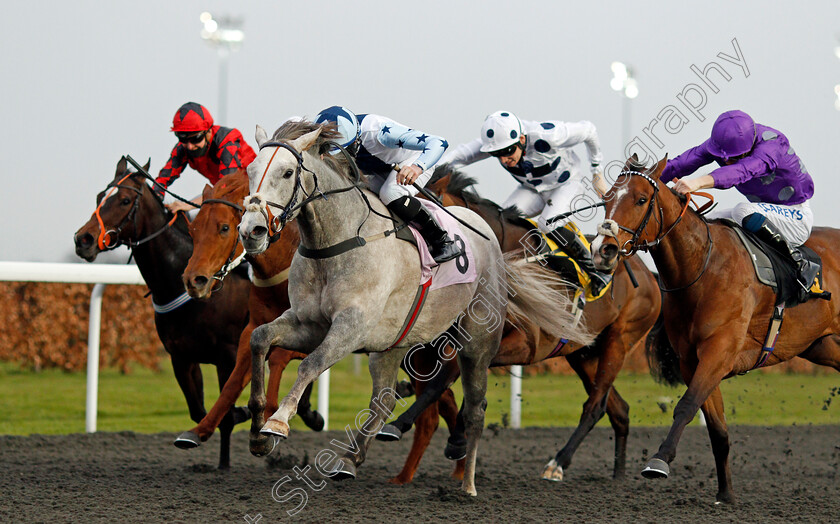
[(357, 294)]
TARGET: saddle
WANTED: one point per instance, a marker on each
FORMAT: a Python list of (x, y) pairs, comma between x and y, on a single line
[(777, 271)]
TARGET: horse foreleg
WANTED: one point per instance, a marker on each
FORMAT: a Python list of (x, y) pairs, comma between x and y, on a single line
[(278, 359), (383, 367), (233, 387), (597, 374), (427, 423), (285, 331), (188, 375), (715, 362), (442, 374), (223, 371), (345, 335), (474, 382), (448, 409), (719, 436)]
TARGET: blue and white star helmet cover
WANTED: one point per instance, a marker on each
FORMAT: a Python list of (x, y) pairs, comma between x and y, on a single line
[(344, 119)]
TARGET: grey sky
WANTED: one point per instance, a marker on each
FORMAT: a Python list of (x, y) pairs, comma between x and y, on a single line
[(87, 81)]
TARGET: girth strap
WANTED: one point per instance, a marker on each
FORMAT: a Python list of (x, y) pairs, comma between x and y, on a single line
[(414, 312)]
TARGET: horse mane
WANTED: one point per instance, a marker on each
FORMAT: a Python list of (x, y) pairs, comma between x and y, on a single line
[(461, 186), (293, 129), (231, 184)]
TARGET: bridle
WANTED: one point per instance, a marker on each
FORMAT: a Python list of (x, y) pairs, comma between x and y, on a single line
[(276, 224), (632, 245), (232, 260), (110, 239)]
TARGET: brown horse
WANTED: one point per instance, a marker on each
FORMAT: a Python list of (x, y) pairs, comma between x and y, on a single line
[(716, 311), (623, 319), (215, 246), (130, 213)]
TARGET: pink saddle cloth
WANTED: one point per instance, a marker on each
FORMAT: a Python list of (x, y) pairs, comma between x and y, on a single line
[(460, 270)]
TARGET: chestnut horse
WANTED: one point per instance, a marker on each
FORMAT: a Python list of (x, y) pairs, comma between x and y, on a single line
[(215, 248), (130, 213), (716, 311), (623, 318)]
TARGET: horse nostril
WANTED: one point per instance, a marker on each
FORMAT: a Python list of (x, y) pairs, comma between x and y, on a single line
[(85, 240), (199, 281), (609, 251), (259, 231)]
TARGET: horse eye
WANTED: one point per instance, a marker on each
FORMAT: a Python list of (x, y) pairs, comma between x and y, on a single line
[(225, 228), (125, 201), (288, 173), (642, 201)]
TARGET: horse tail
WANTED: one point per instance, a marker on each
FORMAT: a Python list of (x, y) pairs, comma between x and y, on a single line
[(662, 358), (536, 297)]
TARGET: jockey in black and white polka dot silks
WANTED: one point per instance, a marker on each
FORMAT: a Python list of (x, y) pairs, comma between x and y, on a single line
[(548, 169), (540, 156)]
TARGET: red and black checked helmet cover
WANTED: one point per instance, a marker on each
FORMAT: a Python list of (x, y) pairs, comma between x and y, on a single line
[(192, 117)]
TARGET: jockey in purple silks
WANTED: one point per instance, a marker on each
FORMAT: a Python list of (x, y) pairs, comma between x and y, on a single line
[(758, 161)]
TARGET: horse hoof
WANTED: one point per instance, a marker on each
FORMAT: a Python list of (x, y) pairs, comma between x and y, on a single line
[(404, 389), (553, 472), (455, 451), (187, 440), (278, 428), (344, 471), (656, 469), (241, 414), (389, 433), (313, 421), (260, 446)]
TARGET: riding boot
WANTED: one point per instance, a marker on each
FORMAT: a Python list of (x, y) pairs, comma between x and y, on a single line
[(766, 231), (410, 210), (572, 245)]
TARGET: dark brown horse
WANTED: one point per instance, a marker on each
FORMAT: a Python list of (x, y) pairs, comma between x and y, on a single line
[(216, 245), (716, 313), (130, 213), (623, 318)]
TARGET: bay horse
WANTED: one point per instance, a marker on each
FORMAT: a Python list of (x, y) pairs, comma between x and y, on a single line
[(129, 212), (716, 312), (345, 300), (215, 246), (622, 318)]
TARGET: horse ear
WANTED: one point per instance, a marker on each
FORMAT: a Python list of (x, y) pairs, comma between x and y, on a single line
[(260, 136), (121, 166), (148, 163), (208, 190), (660, 166), (306, 141)]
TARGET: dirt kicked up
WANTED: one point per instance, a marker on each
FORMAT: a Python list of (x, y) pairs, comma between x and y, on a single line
[(781, 474)]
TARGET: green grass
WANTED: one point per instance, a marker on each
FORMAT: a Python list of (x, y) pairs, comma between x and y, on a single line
[(53, 402)]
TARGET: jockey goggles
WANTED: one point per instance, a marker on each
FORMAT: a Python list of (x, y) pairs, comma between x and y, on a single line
[(191, 138), (507, 151)]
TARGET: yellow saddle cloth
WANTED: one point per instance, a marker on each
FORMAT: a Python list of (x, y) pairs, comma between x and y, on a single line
[(567, 267)]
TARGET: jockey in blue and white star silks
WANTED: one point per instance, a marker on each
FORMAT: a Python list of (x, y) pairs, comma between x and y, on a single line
[(379, 145), (540, 157)]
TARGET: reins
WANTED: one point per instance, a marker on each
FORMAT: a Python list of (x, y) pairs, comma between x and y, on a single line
[(232, 260), (277, 223), (635, 246)]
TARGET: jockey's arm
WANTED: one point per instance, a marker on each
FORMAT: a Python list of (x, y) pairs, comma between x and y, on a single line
[(687, 163), (464, 154), (432, 148)]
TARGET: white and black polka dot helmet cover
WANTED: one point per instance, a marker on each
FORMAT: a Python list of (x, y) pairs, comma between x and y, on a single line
[(500, 130)]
